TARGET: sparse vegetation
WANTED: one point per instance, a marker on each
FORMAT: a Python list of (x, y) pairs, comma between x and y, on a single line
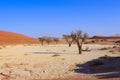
[(4, 46), (79, 38), (48, 50), (55, 55), (25, 54), (76, 37), (68, 39), (104, 48), (48, 40), (118, 42), (56, 40), (114, 46), (64, 50), (41, 40), (0, 47), (115, 50), (112, 51), (93, 41), (97, 40)]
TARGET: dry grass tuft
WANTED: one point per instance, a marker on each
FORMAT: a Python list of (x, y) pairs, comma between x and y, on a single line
[(55, 55)]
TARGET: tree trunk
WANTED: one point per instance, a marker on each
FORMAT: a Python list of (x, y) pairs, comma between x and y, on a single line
[(69, 45), (42, 43), (79, 48), (48, 43)]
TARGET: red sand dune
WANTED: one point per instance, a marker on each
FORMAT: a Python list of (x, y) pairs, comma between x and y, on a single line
[(15, 38)]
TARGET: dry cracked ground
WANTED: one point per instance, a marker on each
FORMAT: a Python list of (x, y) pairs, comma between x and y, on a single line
[(58, 62)]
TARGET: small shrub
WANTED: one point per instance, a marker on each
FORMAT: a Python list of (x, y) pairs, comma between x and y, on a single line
[(29, 45), (56, 40), (92, 41), (111, 51), (104, 48), (114, 46), (4, 46), (55, 55), (25, 54), (101, 40), (48, 50), (117, 41), (48, 40), (64, 50)]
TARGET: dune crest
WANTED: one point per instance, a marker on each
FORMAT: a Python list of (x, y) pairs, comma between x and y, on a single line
[(15, 38)]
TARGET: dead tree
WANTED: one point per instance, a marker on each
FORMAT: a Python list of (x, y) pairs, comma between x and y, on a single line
[(79, 38), (56, 40), (41, 40), (48, 40), (68, 39)]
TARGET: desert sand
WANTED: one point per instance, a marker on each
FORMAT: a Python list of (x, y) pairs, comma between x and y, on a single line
[(36, 62), (16, 38)]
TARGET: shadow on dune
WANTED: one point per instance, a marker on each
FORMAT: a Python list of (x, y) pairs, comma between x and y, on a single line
[(101, 68)]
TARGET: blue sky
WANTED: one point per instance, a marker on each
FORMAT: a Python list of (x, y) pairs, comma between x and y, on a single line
[(56, 17)]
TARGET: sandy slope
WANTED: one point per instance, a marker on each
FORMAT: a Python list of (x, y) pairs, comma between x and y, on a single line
[(27, 62), (15, 38)]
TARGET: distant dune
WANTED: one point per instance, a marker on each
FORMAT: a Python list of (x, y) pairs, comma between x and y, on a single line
[(15, 38), (116, 36)]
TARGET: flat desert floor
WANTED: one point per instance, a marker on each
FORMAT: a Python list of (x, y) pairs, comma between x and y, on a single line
[(36, 62)]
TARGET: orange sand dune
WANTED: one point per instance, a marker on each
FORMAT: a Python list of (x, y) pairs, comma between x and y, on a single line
[(15, 38)]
